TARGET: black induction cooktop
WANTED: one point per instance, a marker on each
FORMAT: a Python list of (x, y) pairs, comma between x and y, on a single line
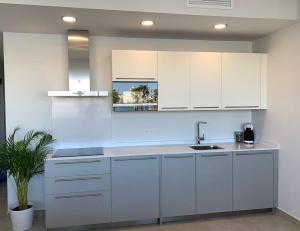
[(73, 152)]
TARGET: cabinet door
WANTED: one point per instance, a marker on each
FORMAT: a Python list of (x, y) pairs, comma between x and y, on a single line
[(205, 81), (253, 180), (135, 188), (173, 81), (241, 75), (130, 65), (214, 182), (178, 185)]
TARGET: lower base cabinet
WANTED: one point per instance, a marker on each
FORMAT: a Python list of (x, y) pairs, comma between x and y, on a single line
[(78, 191), (214, 182), (178, 188), (135, 188), (76, 209), (149, 187), (253, 180)]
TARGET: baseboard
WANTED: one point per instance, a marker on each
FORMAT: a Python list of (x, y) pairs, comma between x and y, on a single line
[(289, 215)]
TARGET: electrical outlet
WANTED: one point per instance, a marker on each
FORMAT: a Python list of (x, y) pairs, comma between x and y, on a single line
[(149, 131)]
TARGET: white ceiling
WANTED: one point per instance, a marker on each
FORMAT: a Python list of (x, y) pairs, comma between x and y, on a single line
[(45, 19), (269, 9)]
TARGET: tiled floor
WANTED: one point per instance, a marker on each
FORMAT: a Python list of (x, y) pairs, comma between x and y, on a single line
[(254, 222)]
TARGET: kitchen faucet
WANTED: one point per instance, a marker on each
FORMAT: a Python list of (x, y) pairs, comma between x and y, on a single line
[(199, 137)]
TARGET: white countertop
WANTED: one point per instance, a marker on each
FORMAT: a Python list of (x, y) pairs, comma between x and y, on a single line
[(182, 149), (172, 149)]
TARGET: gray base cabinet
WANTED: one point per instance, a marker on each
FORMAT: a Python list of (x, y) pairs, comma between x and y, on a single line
[(135, 188), (214, 182), (78, 192), (95, 190), (178, 189), (75, 209), (253, 180)]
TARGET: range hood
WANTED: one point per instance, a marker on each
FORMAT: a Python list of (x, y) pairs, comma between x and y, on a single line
[(79, 67)]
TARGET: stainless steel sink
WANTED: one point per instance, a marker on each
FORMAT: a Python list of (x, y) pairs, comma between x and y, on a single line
[(205, 147)]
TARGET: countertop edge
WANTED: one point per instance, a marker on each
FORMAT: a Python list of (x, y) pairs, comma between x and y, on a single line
[(169, 150)]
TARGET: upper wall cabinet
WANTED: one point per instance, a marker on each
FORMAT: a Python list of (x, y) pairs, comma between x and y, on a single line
[(129, 65), (241, 81), (198, 80), (174, 81), (206, 73)]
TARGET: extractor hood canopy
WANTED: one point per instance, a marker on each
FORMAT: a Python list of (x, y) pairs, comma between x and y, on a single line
[(79, 67)]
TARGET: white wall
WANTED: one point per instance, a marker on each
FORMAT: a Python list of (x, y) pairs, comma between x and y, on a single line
[(36, 63), (277, 9), (281, 123)]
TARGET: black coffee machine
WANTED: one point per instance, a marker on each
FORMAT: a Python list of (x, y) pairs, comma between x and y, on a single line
[(248, 133)]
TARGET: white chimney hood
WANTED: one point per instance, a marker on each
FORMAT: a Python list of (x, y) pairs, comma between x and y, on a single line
[(79, 67)]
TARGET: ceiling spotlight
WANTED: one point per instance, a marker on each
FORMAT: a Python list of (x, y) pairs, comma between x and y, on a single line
[(147, 23), (220, 26), (69, 19)]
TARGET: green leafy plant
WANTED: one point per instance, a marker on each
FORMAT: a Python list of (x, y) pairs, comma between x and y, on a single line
[(24, 159)]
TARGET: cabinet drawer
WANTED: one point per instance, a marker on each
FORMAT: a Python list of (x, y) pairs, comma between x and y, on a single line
[(77, 167), (77, 184), (78, 209)]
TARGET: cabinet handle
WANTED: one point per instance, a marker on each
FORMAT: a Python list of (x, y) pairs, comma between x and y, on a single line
[(178, 157), (78, 162), (166, 108), (146, 158), (78, 93), (78, 179), (241, 106), (135, 78), (214, 155), (253, 153), (205, 107), (78, 196)]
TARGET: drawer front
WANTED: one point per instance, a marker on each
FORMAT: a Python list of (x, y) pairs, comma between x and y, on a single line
[(73, 184), (78, 209), (77, 167)]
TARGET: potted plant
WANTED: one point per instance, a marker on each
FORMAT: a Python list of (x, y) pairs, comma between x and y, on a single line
[(23, 159)]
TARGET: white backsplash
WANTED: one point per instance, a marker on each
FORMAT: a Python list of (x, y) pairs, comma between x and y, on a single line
[(175, 127), (81, 122)]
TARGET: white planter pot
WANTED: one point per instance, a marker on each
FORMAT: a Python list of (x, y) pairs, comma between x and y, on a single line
[(21, 220)]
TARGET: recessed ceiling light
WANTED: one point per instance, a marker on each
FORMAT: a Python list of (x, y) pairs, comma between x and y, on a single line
[(220, 26), (69, 19), (147, 23)]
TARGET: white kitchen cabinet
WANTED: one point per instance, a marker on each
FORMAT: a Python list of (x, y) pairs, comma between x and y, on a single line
[(197, 80), (264, 82), (133, 65), (241, 81), (205, 85), (174, 81)]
